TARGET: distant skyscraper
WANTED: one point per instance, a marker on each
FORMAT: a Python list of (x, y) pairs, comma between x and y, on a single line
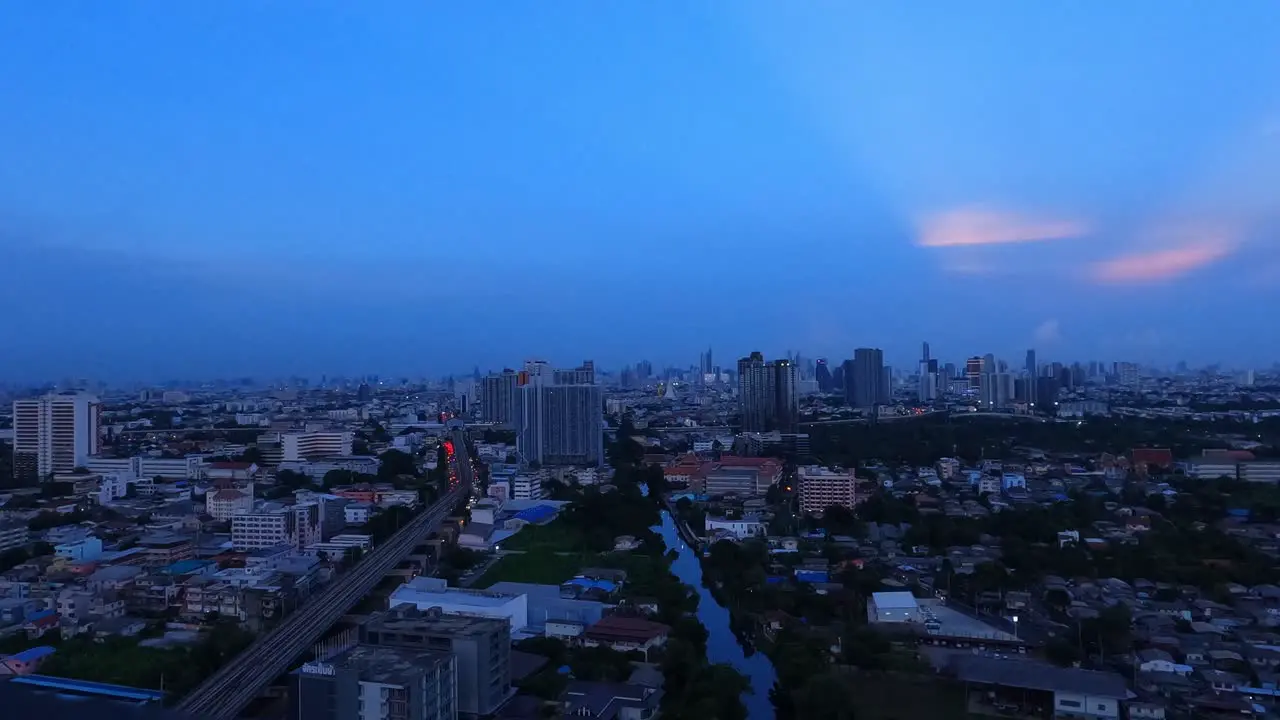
[(864, 378), (822, 373), (767, 394), (924, 354), (498, 397), (706, 366), (996, 390), (927, 382), (1047, 392), (973, 372), (755, 392), (786, 398), (1031, 376), (54, 434), (559, 416)]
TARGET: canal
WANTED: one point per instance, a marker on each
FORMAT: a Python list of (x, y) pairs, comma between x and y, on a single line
[(722, 645)]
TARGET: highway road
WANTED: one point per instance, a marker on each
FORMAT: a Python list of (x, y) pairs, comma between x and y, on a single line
[(224, 694)]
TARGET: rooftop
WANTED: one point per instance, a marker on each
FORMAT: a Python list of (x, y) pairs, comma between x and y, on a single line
[(1038, 676), (895, 600), (85, 687), (394, 666), (33, 700), (407, 616)]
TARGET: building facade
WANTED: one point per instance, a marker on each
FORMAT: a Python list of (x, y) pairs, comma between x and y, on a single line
[(498, 397), (559, 416), (307, 445), (821, 487), (767, 394), (481, 645), (376, 683), (866, 382), (54, 434)]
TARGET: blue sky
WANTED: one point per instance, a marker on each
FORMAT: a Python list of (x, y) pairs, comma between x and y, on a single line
[(196, 189)]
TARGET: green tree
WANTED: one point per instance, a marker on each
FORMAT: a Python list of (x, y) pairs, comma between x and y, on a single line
[(828, 696), (393, 463), (335, 478)]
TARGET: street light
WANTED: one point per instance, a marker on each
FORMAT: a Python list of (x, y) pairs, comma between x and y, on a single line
[(1015, 627)]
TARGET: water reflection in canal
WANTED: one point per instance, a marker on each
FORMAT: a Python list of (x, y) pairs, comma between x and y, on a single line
[(722, 646)]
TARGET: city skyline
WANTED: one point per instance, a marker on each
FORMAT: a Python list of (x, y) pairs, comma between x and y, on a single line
[(424, 188), (902, 366)]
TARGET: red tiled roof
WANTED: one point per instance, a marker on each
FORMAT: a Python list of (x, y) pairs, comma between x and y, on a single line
[(228, 495), (1160, 457), (618, 627)]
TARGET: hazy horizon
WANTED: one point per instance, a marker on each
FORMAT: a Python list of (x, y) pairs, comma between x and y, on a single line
[(222, 190)]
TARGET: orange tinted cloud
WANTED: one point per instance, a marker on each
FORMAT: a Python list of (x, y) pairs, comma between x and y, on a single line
[(1160, 264), (978, 226)]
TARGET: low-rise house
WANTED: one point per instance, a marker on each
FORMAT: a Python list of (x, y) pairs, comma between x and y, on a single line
[(626, 634), (610, 701), (26, 662)]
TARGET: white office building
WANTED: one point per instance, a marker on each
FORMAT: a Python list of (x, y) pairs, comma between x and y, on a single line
[(526, 486), (54, 434), (559, 416), (317, 444), (425, 593), (271, 525)]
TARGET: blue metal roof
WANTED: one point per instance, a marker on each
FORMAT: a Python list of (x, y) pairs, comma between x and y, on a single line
[(582, 582), (536, 513), (90, 688), (30, 654)]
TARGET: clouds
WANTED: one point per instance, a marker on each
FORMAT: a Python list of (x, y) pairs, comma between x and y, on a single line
[(1158, 265), (1047, 332), (976, 225)]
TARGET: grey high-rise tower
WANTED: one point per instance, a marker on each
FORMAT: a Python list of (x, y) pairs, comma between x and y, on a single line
[(559, 416), (864, 378), (786, 400), (1031, 376), (755, 392), (498, 397), (767, 394), (826, 383)]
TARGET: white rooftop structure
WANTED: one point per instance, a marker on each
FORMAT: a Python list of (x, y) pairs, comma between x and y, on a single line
[(425, 593), (887, 607)]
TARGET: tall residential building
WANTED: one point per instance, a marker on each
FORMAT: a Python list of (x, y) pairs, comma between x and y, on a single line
[(786, 399), (927, 382), (973, 372), (481, 645), (369, 681), (996, 390), (767, 396), (755, 393), (54, 434), (826, 383), (498, 397), (559, 416), (1031, 376), (865, 380)]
